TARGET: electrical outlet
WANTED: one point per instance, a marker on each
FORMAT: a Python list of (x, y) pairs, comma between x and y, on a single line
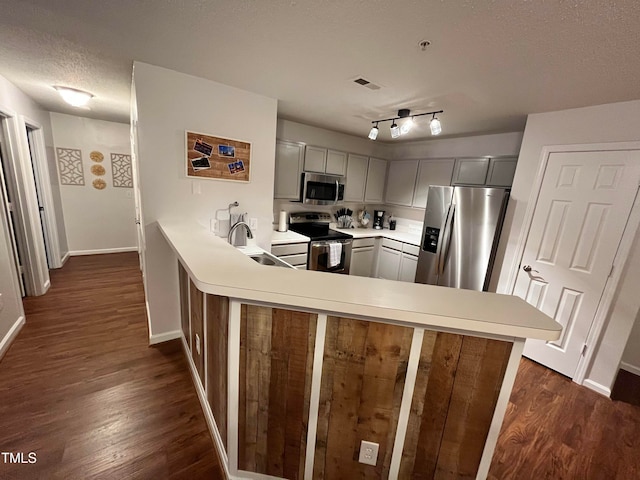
[(253, 224), (213, 225), (129, 194), (195, 188), (368, 453), (198, 343)]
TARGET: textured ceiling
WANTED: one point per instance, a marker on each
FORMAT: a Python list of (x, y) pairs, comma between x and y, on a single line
[(489, 65)]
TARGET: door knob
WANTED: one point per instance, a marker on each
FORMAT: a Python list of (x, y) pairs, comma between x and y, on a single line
[(527, 268)]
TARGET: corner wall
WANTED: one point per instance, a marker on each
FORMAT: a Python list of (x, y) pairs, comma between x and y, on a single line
[(15, 103), (96, 221), (618, 122), (168, 103)]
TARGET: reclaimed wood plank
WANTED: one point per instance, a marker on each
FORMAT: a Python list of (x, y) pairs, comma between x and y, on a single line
[(217, 359)]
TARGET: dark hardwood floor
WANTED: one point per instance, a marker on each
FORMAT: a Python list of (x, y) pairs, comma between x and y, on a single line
[(81, 388), (556, 429)]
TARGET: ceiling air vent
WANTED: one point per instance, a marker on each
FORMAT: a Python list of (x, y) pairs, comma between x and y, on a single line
[(366, 83)]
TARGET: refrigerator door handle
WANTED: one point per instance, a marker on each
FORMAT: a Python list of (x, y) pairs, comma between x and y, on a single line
[(443, 228), (446, 244)]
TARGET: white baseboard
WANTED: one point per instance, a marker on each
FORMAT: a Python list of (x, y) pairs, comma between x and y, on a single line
[(630, 368), (164, 337), (100, 251), (6, 342), (596, 387), (64, 259)]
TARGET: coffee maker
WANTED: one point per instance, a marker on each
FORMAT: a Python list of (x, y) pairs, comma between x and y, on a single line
[(378, 218)]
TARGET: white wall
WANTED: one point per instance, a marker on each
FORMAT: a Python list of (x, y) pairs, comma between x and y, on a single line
[(168, 103), (499, 144), (619, 122), (16, 104), (95, 220)]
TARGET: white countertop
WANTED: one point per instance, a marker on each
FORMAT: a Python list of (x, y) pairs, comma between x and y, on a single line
[(218, 268), (280, 238), (406, 237)]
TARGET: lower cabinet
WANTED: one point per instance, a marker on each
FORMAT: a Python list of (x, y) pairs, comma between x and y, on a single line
[(397, 261), (389, 263), (362, 257), (408, 267), (294, 254)]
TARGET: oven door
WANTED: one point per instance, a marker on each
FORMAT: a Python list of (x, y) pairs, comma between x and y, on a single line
[(322, 189), (332, 256)]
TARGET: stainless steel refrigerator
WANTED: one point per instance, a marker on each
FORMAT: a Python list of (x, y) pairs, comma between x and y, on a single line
[(460, 236)]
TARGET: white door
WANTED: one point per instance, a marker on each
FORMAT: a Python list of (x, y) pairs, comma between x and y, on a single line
[(580, 216)]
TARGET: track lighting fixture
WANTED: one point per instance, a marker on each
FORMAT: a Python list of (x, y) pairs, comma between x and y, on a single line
[(373, 134), (407, 124)]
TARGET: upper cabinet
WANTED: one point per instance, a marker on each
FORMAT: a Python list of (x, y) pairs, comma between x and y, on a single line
[(401, 181), (376, 173), (289, 163), (432, 172), (336, 163), (315, 159), (489, 172), (470, 171), (501, 171), (356, 178), (322, 160)]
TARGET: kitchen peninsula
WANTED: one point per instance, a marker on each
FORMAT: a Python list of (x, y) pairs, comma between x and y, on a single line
[(294, 369)]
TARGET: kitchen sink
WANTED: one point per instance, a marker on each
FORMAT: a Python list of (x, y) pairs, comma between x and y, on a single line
[(268, 259)]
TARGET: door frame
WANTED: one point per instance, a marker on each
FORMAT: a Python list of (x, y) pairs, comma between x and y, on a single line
[(597, 327), (30, 237), (43, 177)]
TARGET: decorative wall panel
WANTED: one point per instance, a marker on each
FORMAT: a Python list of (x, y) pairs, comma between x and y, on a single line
[(121, 170), (70, 166)]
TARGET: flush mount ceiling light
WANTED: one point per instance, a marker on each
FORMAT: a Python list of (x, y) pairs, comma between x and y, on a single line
[(73, 96), (407, 124), (373, 134)]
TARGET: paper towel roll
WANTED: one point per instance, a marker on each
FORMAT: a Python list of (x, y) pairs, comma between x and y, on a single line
[(282, 221)]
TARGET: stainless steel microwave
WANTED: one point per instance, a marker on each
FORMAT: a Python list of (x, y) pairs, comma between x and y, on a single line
[(319, 189)]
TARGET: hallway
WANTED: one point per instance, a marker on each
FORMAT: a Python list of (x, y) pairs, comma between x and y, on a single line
[(81, 388)]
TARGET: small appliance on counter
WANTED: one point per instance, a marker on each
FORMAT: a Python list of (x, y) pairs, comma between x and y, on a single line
[(378, 219), (364, 218)]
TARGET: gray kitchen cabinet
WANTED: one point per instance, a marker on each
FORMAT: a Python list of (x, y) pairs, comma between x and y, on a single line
[(432, 172), (470, 171), (315, 159), (362, 261), (501, 171), (401, 181), (356, 178), (374, 190), (289, 164), (389, 263), (336, 163), (408, 267), (294, 254)]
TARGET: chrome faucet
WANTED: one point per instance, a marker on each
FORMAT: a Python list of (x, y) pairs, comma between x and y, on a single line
[(235, 227)]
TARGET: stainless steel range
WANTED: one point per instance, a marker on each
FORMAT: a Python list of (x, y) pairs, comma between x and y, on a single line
[(329, 251)]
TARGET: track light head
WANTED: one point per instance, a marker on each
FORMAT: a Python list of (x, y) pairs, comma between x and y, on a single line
[(395, 130), (435, 126), (406, 126), (373, 134)]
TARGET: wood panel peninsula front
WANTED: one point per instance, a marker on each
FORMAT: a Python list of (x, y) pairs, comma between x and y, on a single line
[(294, 369)]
